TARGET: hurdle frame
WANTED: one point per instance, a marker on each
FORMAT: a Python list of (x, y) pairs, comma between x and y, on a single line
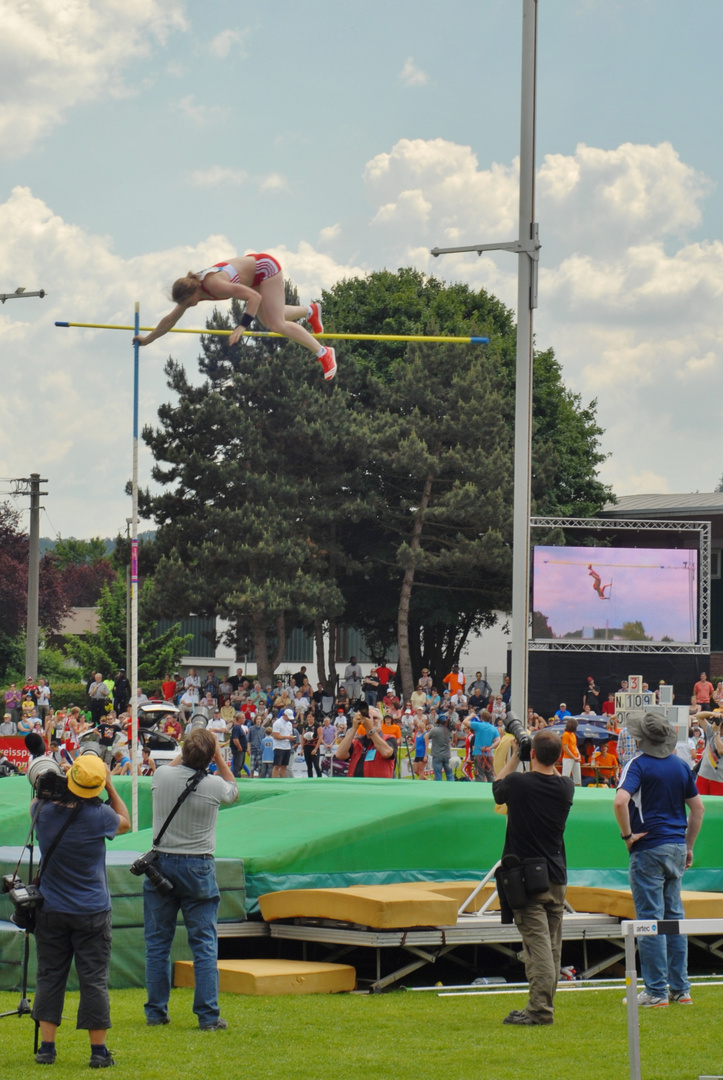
[(632, 929)]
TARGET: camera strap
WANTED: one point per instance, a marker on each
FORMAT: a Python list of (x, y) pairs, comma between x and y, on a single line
[(191, 785), (56, 839)]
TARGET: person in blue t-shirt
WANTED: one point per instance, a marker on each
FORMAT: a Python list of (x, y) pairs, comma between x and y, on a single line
[(74, 922), (486, 739), (650, 807)]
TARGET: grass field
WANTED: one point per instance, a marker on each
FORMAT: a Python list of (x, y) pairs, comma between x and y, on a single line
[(384, 1037)]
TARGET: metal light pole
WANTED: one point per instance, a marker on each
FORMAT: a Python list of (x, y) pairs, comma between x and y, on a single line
[(527, 246), (31, 634), (134, 587), (20, 294)]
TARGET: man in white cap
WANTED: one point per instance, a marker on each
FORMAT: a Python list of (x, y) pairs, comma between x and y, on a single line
[(283, 733), (650, 807)]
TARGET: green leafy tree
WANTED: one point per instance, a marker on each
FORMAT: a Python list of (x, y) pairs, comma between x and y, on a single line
[(106, 650)]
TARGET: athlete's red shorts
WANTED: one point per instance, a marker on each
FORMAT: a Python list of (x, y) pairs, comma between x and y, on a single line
[(266, 267)]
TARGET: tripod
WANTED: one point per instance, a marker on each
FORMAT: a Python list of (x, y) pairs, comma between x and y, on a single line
[(24, 1008)]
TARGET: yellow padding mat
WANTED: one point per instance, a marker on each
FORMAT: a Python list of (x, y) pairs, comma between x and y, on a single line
[(619, 902), (457, 891), (267, 978), (384, 907)]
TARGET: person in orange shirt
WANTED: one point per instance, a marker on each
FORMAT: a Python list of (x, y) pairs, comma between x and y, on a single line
[(570, 752), (606, 764), (455, 680)]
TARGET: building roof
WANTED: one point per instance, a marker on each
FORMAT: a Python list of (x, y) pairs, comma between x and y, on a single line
[(697, 502)]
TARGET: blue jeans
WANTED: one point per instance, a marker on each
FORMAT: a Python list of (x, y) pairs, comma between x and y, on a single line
[(655, 877), (442, 764), (196, 894)]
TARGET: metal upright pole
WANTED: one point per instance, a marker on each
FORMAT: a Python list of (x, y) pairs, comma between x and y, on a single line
[(526, 301), (31, 636), (134, 587)]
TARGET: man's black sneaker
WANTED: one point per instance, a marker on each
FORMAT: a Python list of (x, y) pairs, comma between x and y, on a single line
[(44, 1057), (101, 1061)]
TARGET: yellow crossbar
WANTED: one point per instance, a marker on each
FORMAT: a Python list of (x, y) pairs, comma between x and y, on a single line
[(267, 334)]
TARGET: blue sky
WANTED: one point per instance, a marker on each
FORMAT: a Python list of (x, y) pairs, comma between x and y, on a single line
[(142, 138)]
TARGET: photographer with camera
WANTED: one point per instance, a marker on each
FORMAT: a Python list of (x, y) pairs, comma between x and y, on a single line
[(180, 875), (538, 803), (73, 921)]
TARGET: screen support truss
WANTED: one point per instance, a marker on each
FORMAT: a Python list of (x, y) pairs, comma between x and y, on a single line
[(702, 530)]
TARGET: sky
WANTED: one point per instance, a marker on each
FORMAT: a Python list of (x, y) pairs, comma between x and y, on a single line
[(143, 138), (655, 586)]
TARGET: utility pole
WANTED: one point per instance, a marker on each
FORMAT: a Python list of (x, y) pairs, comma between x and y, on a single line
[(31, 639), (527, 246), (31, 486)]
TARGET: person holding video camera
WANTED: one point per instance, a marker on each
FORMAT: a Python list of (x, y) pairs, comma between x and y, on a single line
[(74, 920), (538, 803), (186, 800)]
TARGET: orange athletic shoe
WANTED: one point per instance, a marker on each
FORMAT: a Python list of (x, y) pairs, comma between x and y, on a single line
[(314, 319), (328, 363)]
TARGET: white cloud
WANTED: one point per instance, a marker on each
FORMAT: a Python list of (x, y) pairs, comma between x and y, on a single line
[(632, 308), (331, 232), (55, 55), (411, 75), (227, 40), (200, 115), (274, 182), (214, 175)]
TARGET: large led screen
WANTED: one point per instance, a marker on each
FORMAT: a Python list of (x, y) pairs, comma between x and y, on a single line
[(615, 594)]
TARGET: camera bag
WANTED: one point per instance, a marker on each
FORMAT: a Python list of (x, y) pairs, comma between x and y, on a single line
[(521, 879)]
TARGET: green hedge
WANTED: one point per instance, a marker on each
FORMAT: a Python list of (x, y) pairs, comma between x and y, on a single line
[(73, 693)]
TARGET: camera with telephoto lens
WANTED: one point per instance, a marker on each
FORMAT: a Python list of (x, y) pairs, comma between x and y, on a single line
[(514, 727), (26, 899), (145, 865)]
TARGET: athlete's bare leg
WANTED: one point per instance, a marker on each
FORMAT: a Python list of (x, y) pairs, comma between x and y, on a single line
[(274, 314)]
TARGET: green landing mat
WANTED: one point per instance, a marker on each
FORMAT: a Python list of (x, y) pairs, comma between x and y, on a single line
[(332, 832)]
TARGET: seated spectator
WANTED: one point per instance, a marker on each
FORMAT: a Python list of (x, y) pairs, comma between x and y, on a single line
[(218, 726), (587, 710), (372, 754), (390, 728), (499, 709), (8, 727), (26, 724), (608, 708), (171, 726), (60, 755), (587, 773), (534, 721), (425, 679), (433, 699), (207, 703), (418, 698), (122, 763), (225, 689), (459, 701), (606, 764), (210, 684), (341, 701), (148, 765), (483, 686), (563, 712)]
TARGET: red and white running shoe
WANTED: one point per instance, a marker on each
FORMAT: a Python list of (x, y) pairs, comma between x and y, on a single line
[(328, 363), (314, 320)]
